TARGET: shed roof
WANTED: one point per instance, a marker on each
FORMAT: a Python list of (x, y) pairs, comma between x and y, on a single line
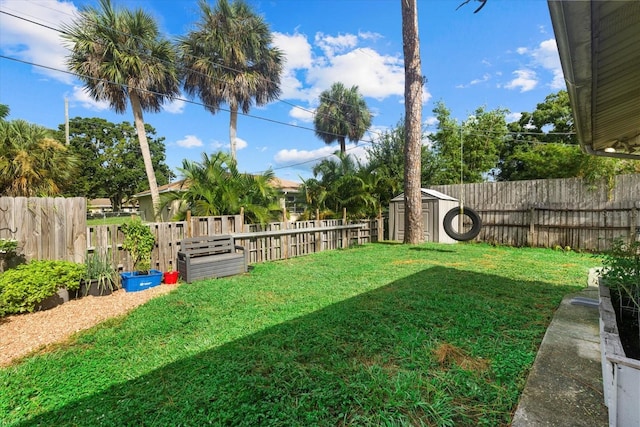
[(427, 194)]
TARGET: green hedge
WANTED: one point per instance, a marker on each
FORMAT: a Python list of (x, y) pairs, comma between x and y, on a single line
[(26, 286)]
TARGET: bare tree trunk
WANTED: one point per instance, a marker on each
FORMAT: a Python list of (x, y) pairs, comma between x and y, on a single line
[(233, 126), (146, 153), (413, 113)]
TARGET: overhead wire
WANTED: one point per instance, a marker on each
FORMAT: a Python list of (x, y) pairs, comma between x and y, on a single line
[(189, 101)]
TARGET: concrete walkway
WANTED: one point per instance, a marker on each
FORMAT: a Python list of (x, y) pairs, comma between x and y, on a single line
[(564, 387)]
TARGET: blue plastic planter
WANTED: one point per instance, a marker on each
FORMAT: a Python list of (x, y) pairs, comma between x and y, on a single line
[(134, 282)]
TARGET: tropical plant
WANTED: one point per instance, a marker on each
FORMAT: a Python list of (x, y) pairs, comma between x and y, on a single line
[(99, 269), (120, 56), (4, 111), (140, 242), (622, 273), (27, 285), (341, 114), (214, 186), (229, 58), (32, 163)]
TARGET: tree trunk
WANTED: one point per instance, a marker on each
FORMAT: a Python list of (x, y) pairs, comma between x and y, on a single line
[(146, 153), (413, 113), (233, 126), (343, 145)]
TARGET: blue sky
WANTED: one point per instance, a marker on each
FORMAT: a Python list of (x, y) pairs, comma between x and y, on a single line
[(505, 56)]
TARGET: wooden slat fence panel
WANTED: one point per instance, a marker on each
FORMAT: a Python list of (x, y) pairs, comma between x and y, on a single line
[(45, 227)]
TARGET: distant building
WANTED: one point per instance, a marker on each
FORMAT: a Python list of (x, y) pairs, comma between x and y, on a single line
[(103, 205), (289, 190)]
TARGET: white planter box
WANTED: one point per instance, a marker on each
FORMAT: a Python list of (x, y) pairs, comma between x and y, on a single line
[(620, 374)]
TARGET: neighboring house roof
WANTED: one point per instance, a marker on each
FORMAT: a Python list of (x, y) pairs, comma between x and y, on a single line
[(104, 203), (599, 47), (281, 184)]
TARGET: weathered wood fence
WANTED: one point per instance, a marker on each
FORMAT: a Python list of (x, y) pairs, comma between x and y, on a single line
[(274, 241), (554, 212), (46, 228)]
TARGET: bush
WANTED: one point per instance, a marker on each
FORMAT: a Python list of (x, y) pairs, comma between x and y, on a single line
[(26, 286), (139, 241), (622, 270)]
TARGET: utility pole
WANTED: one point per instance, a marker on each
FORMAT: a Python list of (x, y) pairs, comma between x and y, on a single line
[(66, 120)]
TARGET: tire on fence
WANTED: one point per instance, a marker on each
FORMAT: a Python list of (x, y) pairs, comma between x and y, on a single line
[(469, 235)]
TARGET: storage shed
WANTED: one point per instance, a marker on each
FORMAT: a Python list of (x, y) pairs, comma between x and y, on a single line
[(435, 206)]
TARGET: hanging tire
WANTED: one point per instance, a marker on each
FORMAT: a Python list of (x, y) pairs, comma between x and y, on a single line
[(469, 235)]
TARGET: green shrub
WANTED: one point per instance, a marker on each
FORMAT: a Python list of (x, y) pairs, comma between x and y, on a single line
[(26, 286), (622, 272), (139, 241)]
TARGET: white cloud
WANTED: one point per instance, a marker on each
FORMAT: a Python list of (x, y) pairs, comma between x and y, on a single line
[(303, 114), (377, 76), (331, 45), (190, 141), (546, 57), (525, 80), (513, 117), (306, 159), (485, 78), (310, 69), (35, 43), (175, 107), (241, 144), (81, 96)]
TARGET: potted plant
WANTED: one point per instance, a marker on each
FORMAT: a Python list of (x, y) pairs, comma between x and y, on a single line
[(8, 248), (139, 241), (100, 278), (620, 332)]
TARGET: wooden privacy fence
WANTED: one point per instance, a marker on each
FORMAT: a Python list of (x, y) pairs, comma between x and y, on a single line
[(274, 241), (554, 212), (45, 227)]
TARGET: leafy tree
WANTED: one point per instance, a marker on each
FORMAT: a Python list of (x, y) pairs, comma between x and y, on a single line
[(413, 82), (543, 145), (386, 161), (32, 162), (342, 114), (482, 136), (120, 56), (111, 163), (229, 59), (214, 186)]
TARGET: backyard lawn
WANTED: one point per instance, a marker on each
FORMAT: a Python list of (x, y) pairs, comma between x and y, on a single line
[(381, 334)]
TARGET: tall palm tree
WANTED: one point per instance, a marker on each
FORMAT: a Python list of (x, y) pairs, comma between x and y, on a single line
[(229, 59), (32, 162), (342, 114), (120, 56)]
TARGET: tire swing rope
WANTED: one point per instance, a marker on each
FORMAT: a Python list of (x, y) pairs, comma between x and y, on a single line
[(460, 210)]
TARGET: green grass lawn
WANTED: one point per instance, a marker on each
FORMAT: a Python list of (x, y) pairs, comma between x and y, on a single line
[(108, 220), (381, 334)]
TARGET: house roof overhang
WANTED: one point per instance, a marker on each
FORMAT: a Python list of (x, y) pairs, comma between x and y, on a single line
[(599, 47)]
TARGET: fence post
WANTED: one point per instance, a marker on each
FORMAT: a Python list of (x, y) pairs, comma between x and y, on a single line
[(380, 226), (285, 238), (188, 219), (242, 219), (318, 235), (632, 225), (345, 232), (532, 227)]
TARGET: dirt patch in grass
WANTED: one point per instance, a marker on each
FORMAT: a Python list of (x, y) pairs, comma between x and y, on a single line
[(22, 334)]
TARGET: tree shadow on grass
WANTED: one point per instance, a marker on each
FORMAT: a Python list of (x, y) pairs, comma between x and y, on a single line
[(368, 360)]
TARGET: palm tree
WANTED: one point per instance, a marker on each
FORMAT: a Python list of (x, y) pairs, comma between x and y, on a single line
[(214, 186), (342, 114), (120, 56), (229, 59), (32, 163)]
